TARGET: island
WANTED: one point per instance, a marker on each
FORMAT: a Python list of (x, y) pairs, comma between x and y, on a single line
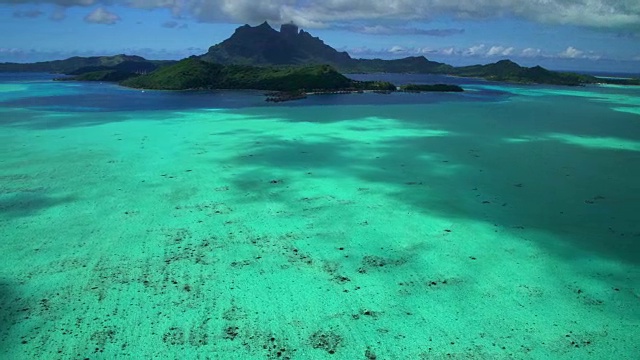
[(435, 87), (284, 82), (290, 63), (196, 74), (263, 45), (78, 65)]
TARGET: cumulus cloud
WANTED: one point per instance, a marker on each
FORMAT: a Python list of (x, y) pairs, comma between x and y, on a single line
[(11, 51), (499, 51), (530, 52), (617, 15), (476, 50), (571, 53), (394, 30), (448, 51), (102, 16), (481, 52), (591, 13), (397, 50), (27, 14)]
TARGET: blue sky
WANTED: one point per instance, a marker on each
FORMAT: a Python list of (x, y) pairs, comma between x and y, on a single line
[(599, 35)]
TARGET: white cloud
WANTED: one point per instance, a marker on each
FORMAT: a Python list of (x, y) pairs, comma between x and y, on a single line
[(531, 52), (476, 50), (357, 51), (499, 51), (11, 51), (481, 52), (606, 14), (571, 53), (485, 51), (102, 16), (399, 30), (447, 51), (574, 53), (396, 52), (591, 13)]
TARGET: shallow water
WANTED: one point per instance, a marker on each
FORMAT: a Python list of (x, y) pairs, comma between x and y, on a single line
[(496, 224)]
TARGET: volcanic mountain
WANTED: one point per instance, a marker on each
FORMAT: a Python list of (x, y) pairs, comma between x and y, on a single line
[(263, 45)]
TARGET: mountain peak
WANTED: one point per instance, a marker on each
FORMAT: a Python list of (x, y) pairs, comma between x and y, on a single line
[(506, 62), (262, 45), (289, 29), (264, 25)]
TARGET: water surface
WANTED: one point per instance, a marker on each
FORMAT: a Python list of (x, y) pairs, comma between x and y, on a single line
[(499, 223)]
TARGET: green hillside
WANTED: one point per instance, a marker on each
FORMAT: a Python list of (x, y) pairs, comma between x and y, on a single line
[(193, 73), (130, 63), (508, 71)]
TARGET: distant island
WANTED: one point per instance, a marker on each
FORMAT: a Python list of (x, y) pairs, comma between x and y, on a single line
[(77, 65), (196, 74), (290, 62), (284, 82), (292, 81), (435, 87)]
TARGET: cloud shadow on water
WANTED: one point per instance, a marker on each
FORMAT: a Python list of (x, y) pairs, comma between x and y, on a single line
[(8, 315), (576, 193), (27, 204)]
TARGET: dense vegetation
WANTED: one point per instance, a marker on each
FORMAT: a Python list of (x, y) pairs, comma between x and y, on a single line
[(102, 75), (193, 73), (76, 65), (432, 88), (415, 65), (134, 67), (290, 82), (374, 85), (508, 71), (618, 81)]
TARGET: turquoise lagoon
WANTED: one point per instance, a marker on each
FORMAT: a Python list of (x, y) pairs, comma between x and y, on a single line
[(502, 223)]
